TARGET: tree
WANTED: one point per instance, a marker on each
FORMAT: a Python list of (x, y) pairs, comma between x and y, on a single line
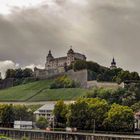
[(79, 65), (2, 106), (134, 76), (19, 73), (7, 115), (64, 82), (85, 111), (119, 118), (136, 107), (27, 73), (78, 115), (117, 96), (42, 123), (110, 95), (131, 95), (10, 73), (126, 76), (93, 66), (97, 111), (60, 112), (20, 111)]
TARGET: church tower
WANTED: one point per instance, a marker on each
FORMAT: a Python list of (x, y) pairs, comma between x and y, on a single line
[(113, 64)]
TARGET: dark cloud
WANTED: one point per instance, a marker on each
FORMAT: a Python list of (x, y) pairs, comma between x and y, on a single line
[(99, 29)]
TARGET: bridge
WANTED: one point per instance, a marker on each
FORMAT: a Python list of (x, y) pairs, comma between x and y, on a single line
[(54, 135)]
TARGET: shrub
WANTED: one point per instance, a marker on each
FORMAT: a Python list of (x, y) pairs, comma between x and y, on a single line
[(42, 123), (64, 82)]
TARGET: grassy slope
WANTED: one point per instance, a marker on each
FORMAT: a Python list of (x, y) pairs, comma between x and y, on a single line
[(59, 94), (39, 91), (22, 92)]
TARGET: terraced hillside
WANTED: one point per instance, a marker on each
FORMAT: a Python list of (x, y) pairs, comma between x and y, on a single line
[(39, 91)]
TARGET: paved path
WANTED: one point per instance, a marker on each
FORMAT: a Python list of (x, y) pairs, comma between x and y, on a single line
[(34, 103)]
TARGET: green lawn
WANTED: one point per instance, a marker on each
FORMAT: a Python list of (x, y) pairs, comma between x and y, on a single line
[(39, 91)]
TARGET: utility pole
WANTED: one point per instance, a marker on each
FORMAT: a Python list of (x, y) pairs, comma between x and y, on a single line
[(53, 123), (94, 126)]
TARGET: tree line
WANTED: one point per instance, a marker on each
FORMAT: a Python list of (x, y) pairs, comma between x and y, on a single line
[(10, 113), (19, 73), (127, 96), (110, 109), (100, 73), (20, 76), (94, 113)]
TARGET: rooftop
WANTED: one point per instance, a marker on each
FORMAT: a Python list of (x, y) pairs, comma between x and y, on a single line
[(49, 106)]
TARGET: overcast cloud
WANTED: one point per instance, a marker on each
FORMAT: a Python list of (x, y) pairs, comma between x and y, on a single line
[(100, 29)]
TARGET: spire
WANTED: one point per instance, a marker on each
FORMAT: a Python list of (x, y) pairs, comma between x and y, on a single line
[(50, 52), (113, 64), (113, 61), (70, 51)]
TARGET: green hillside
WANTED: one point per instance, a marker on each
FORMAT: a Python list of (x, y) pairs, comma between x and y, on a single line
[(39, 91)]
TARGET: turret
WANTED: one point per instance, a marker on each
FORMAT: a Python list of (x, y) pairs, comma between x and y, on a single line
[(70, 51), (70, 56), (113, 64), (49, 57)]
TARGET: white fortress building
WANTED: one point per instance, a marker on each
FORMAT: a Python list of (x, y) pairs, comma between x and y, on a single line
[(58, 65), (61, 62)]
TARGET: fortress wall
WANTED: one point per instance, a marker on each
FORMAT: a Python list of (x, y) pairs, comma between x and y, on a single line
[(41, 74), (6, 83), (79, 76), (104, 84)]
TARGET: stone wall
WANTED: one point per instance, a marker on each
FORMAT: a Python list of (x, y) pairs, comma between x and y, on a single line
[(46, 74), (112, 85), (6, 83), (79, 76)]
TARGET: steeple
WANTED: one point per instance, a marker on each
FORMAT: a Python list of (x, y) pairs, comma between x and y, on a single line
[(113, 64)]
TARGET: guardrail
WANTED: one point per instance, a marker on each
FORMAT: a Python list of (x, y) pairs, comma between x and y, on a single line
[(55, 135)]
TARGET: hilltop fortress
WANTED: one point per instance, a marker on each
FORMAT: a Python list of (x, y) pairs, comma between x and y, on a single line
[(55, 66)]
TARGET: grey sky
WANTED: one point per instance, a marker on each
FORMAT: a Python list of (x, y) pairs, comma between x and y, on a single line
[(100, 29)]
